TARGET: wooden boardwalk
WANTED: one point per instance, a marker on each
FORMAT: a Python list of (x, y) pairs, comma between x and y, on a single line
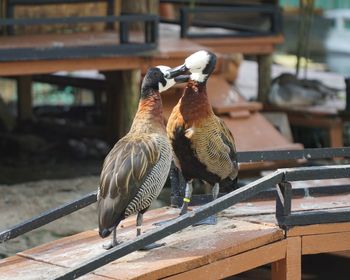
[(245, 237)]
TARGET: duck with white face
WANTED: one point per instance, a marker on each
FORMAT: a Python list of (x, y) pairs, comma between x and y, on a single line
[(203, 146), (200, 65), (135, 170)]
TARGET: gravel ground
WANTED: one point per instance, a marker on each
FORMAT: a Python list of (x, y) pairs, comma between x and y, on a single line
[(22, 201)]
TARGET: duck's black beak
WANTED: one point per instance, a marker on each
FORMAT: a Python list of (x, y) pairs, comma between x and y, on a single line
[(182, 79), (174, 72)]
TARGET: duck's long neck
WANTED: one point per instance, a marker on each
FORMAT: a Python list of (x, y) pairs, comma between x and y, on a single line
[(149, 116), (194, 104)]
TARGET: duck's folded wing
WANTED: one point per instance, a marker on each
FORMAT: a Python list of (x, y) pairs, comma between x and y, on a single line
[(228, 139), (124, 171), (215, 147)]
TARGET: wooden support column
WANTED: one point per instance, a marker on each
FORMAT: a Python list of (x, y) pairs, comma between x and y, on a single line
[(264, 76), (123, 87), (123, 93), (336, 135), (24, 98), (290, 267)]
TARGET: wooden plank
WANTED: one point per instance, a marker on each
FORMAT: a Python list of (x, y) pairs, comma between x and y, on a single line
[(73, 250), (256, 133), (241, 106), (258, 210), (191, 248), (319, 229), (171, 52), (123, 96), (20, 268), (254, 45), (50, 66), (335, 135), (322, 243), (236, 264), (17, 267), (289, 268), (267, 40)]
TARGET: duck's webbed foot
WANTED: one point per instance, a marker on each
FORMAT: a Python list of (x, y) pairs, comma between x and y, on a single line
[(114, 241), (211, 220)]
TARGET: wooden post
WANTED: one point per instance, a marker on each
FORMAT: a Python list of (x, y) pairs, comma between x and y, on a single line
[(24, 98), (264, 77), (290, 267), (335, 133), (123, 87), (123, 93)]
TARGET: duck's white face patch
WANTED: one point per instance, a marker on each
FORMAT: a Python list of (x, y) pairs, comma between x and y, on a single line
[(197, 62), (169, 82)]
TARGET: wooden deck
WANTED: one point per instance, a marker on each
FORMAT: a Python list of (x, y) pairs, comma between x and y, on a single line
[(245, 237), (242, 117), (171, 51)]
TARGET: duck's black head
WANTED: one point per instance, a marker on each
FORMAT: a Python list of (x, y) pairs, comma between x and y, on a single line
[(155, 81), (200, 64)]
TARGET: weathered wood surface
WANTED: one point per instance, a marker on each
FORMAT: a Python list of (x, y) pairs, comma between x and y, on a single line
[(289, 268), (244, 238), (322, 243), (237, 264), (175, 48), (319, 229), (256, 45), (186, 250)]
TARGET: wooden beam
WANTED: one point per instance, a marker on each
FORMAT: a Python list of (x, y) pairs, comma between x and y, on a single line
[(335, 135), (322, 243), (289, 268), (319, 229), (50, 66), (236, 264), (24, 98), (123, 95)]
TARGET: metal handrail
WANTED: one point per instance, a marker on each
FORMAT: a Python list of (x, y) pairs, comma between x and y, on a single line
[(280, 178), (125, 47), (211, 208), (243, 157), (81, 19), (47, 217)]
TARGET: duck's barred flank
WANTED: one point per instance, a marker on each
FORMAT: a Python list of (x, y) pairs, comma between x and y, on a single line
[(154, 182)]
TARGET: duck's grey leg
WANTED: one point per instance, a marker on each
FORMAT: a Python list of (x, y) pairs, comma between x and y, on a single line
[(187, 198), (114, 240), (178, 185), (211, 220), (139, 221), (215, 191)]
